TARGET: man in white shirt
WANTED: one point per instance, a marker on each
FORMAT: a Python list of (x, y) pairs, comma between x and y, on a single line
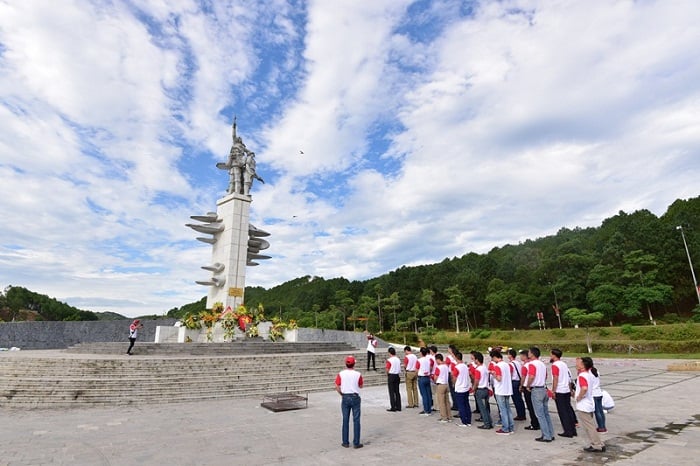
[(536, 383), (561, 386), (348, 383), (503, 389), (462, 383), (410, 362), (393, 369)]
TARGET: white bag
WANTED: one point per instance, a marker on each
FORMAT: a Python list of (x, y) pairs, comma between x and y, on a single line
[(608, 402)]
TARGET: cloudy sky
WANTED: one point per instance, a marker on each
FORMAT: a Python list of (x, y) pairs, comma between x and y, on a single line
[(429, 129)]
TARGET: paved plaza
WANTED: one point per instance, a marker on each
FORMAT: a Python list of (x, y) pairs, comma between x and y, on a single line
[(656, 421)]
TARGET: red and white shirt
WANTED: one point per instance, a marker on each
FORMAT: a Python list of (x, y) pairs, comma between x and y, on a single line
[(537, 369), (410, 362), (516, 370), (424, 366), (561, 371), (462, 381), (481, 374), (441, 374), (350, 381), (586, 405), (504, 387), (393, 365), (433, 364)]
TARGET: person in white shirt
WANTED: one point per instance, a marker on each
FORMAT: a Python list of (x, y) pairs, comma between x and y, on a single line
[(393, 369), (425, 367), (561, 386), (371, 350), (441, 376), (481, 389), (348, 383), (463, 384), (585, 404), (503, 389), (536, 380), (517, 374), (410, 362)]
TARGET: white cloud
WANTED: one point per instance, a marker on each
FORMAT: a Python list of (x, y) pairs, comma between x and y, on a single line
[(427, 132)]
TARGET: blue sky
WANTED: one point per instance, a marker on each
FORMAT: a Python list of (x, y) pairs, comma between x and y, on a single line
[(429, 129)]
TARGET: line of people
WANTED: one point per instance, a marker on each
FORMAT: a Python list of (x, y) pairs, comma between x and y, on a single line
[(445, 382)]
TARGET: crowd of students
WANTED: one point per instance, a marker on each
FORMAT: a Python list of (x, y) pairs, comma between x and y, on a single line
[(508, 376), (445, 383)]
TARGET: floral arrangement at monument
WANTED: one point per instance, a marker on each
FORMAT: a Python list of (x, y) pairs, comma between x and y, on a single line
[(246, 320)]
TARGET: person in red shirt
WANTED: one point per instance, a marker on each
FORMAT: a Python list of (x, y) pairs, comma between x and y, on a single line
[(348, 383)]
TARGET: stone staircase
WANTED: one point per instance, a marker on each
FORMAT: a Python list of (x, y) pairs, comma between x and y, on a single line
[(64, 379), (248, 346)]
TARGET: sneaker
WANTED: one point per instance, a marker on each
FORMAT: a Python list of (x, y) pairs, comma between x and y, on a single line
[(498, 423), (501, 432), (602, 430), (463, 425), (532, 428), (444, 421), (485, 427), (594, 450), (425, 414), (359, 445), (345, 445), (520, 418)]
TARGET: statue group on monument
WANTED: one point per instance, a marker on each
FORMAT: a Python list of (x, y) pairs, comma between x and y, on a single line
[(241, 166)]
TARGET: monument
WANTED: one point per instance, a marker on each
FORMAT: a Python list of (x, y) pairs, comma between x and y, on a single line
[(235, 243)]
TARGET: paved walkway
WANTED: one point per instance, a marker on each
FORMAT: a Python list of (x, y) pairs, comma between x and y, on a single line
[(656, 421)]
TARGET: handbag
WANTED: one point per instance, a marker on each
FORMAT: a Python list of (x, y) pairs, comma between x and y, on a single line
[(607, 401)]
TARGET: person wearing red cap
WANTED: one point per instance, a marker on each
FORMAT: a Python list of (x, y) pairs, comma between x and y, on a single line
[(348, 383), (133, 334)]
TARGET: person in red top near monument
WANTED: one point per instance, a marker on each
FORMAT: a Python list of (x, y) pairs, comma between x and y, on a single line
[(410, 362), (348, 383)]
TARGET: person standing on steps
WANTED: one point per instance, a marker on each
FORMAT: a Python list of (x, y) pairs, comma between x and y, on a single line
[(133, 334), (371, 350), (393, 369), (348, 383)]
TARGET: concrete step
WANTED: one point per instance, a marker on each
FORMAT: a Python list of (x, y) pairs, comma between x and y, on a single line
[(68, 380)]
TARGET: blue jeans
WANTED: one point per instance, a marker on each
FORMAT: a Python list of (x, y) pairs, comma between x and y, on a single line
[(518, 399), (539, 403), (465, 411), (482, 402), (351, 403), (599, 413), (425, 393), (506, 415)]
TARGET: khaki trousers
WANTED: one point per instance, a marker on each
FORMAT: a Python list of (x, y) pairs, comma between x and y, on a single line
[(590, 425), (443, 401), (412, 388)]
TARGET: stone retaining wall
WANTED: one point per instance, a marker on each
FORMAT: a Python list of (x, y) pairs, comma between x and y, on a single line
[(57, 335)]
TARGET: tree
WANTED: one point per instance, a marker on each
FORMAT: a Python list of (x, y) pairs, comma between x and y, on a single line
[(428, 309), (454, 304), (581, 317), (643, 267), (345, 304), (393, 304)]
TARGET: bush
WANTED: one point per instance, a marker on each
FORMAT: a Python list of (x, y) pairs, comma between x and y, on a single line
[(603, 332), (671, 318), (559, 333), (628, 329), (649, 333), (684, 332)]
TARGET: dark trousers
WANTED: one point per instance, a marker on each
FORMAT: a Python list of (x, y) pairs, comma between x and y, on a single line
[(393, 381), (530, 409), (566, 412), (371, 357), (131, 345), (425, 393), (518, 399), (462, 402), (453, 405)]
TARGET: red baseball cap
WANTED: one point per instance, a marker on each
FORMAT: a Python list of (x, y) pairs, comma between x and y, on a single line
[(350, 360)]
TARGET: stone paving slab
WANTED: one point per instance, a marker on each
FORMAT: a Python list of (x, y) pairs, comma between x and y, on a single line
[(652, 426)]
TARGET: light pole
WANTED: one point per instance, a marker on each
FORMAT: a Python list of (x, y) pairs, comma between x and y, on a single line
[(690, 262)]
